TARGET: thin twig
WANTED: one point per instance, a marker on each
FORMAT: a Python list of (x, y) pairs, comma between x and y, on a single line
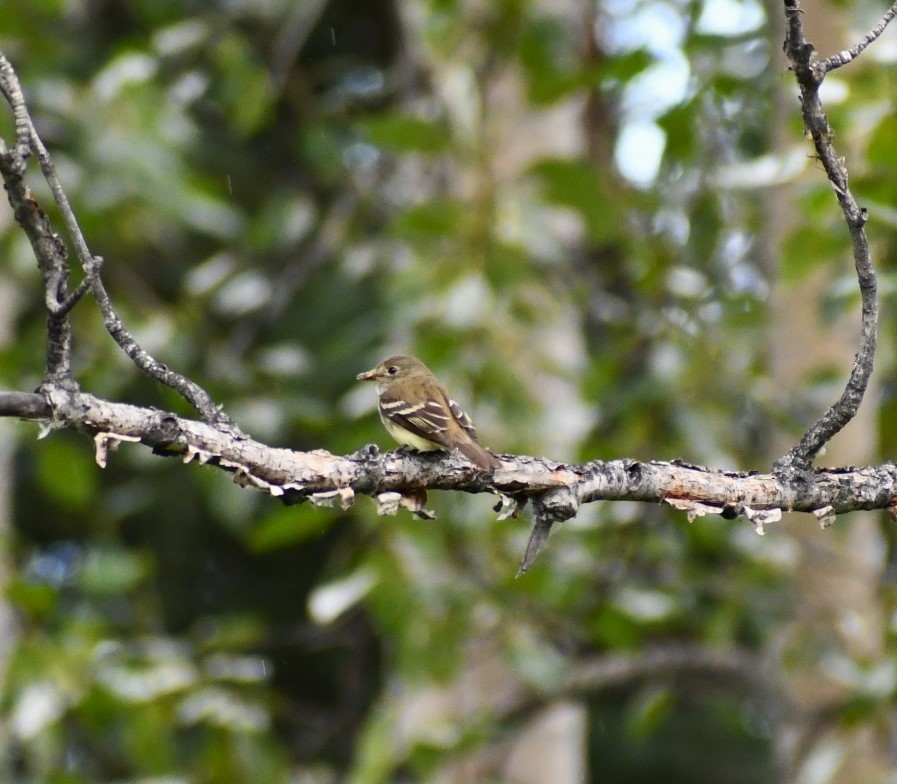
[(52, 259), (49, 250), (65, 307), (848, 55), (12, 92), (796, 462), (192, 392)]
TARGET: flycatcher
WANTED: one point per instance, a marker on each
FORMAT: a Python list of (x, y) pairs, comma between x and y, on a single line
[(416, 411)]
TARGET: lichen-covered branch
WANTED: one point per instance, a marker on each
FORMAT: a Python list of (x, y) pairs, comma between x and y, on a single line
[(398, 479)]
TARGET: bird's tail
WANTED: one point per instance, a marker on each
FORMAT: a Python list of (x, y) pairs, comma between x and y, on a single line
[(479, 456)]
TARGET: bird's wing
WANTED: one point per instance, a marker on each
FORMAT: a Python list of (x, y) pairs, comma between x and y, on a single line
[(461, 418), (428, 420)]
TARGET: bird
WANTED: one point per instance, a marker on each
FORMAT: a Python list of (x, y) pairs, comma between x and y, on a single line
[(416, 411)]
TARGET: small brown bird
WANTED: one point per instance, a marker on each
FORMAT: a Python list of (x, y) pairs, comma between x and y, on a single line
[(416, 411)]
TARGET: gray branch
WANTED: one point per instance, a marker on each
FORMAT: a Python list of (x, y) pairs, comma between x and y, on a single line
[(795, 465), (849, 55), (399, 479), (52, 259)]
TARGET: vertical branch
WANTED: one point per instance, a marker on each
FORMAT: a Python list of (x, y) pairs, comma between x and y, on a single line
[(49, 249), (809, 75)]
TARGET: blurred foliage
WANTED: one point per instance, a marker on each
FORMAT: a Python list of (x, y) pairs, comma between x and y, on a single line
[(284, 192)]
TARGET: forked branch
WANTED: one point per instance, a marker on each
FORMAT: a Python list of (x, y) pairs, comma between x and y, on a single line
[(398, 480), (795, 465), (52, 258)]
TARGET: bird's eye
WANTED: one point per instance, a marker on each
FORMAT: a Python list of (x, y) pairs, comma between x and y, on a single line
[(392, 370)]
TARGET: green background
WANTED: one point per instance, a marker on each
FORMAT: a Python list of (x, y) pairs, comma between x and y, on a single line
[(285, 192)]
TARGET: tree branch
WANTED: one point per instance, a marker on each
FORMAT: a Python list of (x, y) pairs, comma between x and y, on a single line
[(49, 249), (52, 259), (795, 465), (399, 479), (848, 55), (25, 405)]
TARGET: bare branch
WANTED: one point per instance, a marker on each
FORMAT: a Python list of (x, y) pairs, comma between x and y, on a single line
[(557, 490), (52, 259), (849, 55), (49, 249), (27, 405), (796, 463), (192, 392), (16, 98), (397, 479), (732, 667), (11, 90)]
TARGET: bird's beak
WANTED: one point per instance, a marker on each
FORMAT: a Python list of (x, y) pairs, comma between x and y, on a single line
[(368, 375)]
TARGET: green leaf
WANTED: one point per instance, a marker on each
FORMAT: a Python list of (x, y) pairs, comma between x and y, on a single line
[(405, 133), (67, 472), (289, 525), (111, 571), (575, 184), (882, 146), (549, 60), (37, 599), (678, 124), (806, 250), (627, 65), (648, 711), (245, 86), (437, 217)]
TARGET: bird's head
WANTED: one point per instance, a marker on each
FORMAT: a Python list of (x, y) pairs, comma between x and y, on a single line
[(399, 366)]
